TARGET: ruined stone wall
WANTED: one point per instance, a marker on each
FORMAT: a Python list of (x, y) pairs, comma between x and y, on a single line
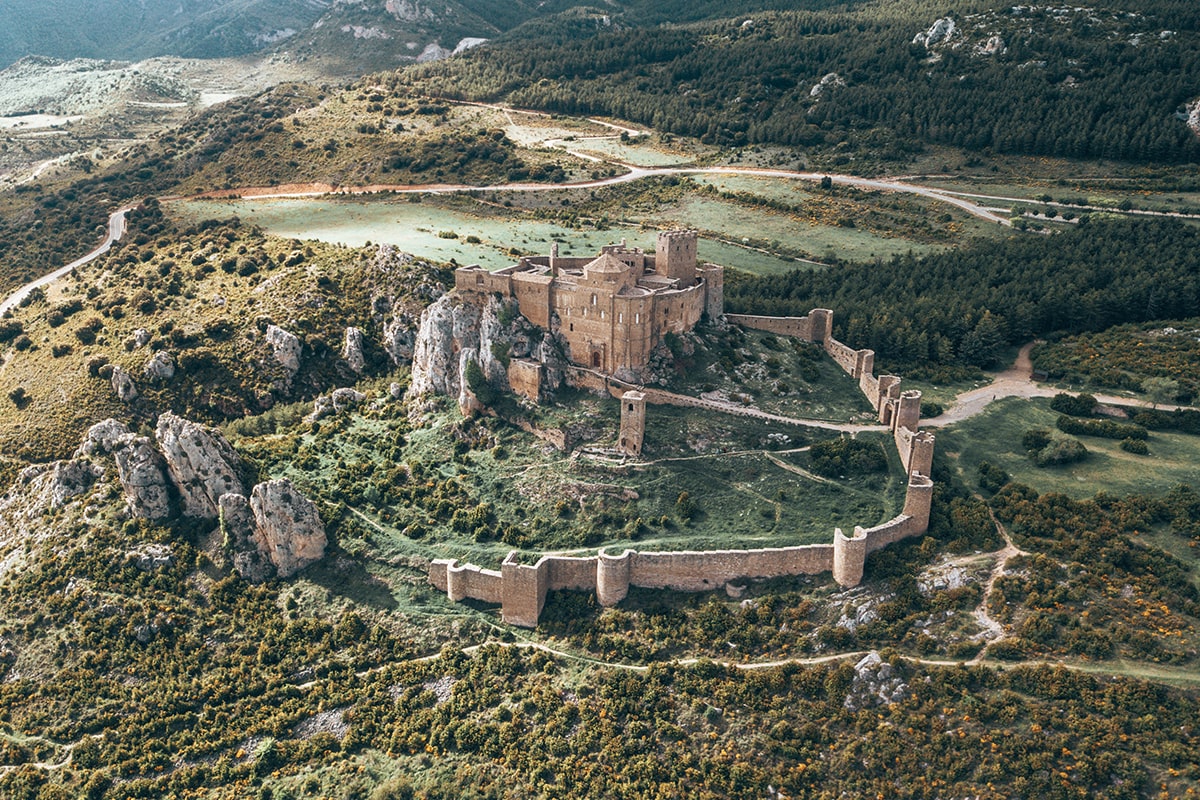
[(796, 327), (695, 571), (522, 589), (525, 378), (523, 592), (466, 581)]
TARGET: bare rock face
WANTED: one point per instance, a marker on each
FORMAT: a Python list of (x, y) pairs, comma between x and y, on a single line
[(399, 339), (285, 346), (55, 484), (122, 384), (447, 326), (875, 683), (345, 399), (102, 438), (143, 477), (352, 350), (202, 465), (940, 31), (288, 532), (159, 367)]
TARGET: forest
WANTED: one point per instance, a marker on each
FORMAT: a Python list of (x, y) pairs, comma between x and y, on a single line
[(963, 306), (1048, 91)]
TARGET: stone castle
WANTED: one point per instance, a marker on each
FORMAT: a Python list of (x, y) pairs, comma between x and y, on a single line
[(614, 309), (520, 589)]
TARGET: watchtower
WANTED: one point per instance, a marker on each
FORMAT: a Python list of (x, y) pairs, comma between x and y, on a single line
[(633, 422), (675, 256)]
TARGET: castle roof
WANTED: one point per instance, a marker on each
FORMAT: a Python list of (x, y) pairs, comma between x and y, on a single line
[(606, 263)]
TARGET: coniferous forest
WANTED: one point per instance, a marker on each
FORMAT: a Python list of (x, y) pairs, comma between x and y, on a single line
[(962, 306), (1090, 82)]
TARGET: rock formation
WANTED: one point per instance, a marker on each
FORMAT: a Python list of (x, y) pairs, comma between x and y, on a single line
[(285, 346), (143, 478), (202, 465), (940, 31), (875, 683), (55, 484), (122, 384), (160, 367), (352, 350), (493, 333), (275, 533)]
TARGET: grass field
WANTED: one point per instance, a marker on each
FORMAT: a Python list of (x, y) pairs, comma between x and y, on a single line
[(995, 436)]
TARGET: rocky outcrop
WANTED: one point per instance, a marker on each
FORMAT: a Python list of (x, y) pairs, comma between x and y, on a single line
[(142, 472), (875, 683), (285, 346), (493, 331), (141, 337), (276, 533), (159, 367), (202, 465), (939, 32), (123, 386), (398, 338), (53, 485), (352, 350), (341, 400), (830, 81), (102, 438)]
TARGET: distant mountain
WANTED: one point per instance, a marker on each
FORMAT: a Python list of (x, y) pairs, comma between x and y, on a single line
[(352, 35), (134, 29)]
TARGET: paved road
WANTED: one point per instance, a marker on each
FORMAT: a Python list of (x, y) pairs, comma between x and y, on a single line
[(116, 229)]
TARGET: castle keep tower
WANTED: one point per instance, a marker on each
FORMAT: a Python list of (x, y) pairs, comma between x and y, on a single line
[(675, 256), (633, 422)]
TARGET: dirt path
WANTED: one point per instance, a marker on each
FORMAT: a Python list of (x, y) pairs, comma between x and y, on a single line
[(1017, 381), (993, 630)]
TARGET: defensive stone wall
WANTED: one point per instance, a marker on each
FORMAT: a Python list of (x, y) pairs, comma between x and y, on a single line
[(521, 589)]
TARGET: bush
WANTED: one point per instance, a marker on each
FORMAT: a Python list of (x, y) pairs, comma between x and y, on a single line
[(1105, 428), (1083, 405), (991, 477), (1035, 440), (18, 396), (1136, 446), (1059, 452), (930, 409), (837, 457)]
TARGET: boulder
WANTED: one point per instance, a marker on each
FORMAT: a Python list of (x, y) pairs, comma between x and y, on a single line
[(237, 528), (102, 438), (395, 391), (344, 399), (151, 557), (285, 346), (122, 384), (201, 463), (159, 367), (287, 528), (55, 484), (143, 478), (352, 350), (141, 337)]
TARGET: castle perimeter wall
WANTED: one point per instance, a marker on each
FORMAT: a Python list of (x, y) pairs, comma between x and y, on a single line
[(521, 589)]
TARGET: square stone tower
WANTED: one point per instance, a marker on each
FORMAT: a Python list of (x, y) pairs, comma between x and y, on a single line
[(675, 256), (633, 422)]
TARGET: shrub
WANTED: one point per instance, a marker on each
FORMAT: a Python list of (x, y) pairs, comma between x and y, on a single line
[(836, 457), (991, 477), (1082, 406), (1061, 451), (1136, 446), (1035, 440), (930, 409), (18, 396), (1105, 428)]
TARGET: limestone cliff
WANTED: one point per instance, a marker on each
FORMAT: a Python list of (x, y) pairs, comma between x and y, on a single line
[(491, 332), (275, 533), (202, 465)]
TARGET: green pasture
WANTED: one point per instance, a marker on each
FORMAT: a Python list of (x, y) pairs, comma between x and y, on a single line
[(995, 436)]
